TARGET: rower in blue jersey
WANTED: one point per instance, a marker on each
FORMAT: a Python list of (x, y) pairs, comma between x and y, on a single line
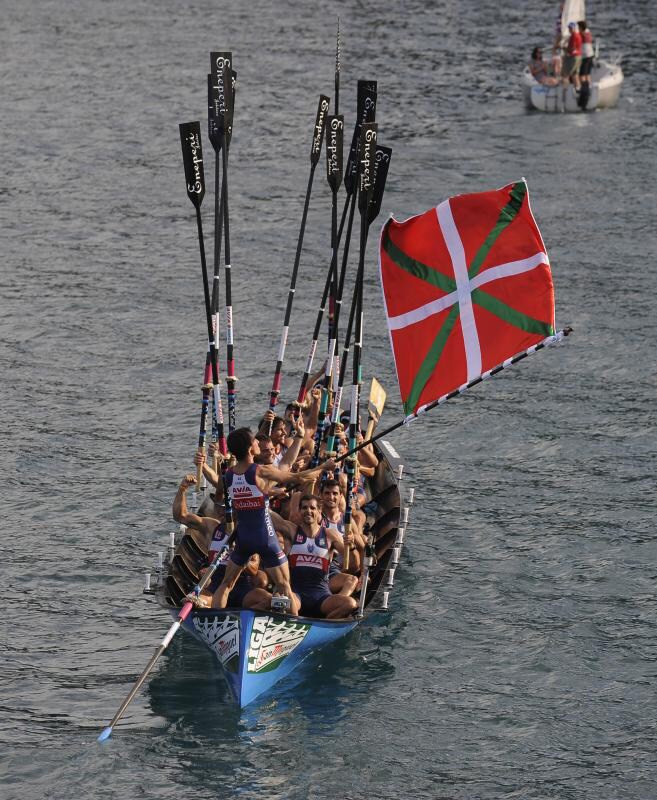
[(248, 485), (310, 556), (249, 589)]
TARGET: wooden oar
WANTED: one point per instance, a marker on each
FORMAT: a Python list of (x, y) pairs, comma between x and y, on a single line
[(334, 148), (190, 140), (218, 139), (375, 406), (382, 163), (334, 177), (366, 166), (182, 616), (365, 112), (223, 78), (315, 151)]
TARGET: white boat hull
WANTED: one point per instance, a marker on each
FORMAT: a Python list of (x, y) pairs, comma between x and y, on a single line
[(606, 82)]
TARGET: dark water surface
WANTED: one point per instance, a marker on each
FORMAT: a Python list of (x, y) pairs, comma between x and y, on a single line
[(520, 658)]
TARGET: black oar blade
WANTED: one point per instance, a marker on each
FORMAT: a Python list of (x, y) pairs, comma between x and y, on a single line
[(190, 140), (366, 160), (365, 112), (381, 165), (334, 151), (222, 87), (320, 124)]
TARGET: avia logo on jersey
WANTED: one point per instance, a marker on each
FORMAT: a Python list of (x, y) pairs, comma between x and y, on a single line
[(244, 499), (271, 641), (222, 634), (302, 560)]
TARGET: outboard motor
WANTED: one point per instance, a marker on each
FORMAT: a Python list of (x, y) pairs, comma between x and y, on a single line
[(584, 94)]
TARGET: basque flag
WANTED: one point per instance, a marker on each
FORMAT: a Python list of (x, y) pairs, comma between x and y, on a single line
[(466, 286)]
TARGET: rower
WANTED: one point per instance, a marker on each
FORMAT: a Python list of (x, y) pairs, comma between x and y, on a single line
[(248, 484), (278, 434), (332, 515), (248, 591), (309, 557)]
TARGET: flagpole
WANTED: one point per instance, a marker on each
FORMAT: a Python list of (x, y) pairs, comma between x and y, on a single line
[(549, 341)]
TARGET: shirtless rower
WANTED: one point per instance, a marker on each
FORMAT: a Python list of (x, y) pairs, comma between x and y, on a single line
[(310, 556), (248, 485)]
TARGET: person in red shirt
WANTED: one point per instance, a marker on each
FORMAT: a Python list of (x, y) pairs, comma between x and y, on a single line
[(573, 57)]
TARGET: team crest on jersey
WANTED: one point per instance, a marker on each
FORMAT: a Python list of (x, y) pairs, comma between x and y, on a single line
[(310, 547)]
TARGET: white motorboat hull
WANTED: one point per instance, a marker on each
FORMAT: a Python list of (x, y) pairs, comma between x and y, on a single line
[(606, 82)]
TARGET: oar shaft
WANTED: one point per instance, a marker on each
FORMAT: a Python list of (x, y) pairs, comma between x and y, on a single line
[(337, 400), (315, 152), (231, 378), (276, 384), (182, 616)]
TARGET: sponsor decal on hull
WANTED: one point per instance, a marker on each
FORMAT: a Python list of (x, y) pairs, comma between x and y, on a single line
[(222, 634), (271, 641)]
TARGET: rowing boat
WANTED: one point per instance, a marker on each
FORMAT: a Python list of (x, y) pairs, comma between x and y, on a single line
[(255, 650)]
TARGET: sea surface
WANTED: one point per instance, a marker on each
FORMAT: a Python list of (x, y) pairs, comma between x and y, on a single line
[(519, 658)]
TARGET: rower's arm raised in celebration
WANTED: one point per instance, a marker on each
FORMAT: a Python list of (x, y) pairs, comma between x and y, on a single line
[(292, 452), (186, 517), (268, 475), (210, 475)]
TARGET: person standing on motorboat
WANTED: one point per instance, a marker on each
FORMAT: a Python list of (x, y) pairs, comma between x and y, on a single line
[(587, 63), (556, 44), (539, 69), (573, 57)]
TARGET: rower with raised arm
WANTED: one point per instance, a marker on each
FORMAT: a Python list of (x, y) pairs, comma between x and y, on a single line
[(310, 556), (248, 591), (249, 484)]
